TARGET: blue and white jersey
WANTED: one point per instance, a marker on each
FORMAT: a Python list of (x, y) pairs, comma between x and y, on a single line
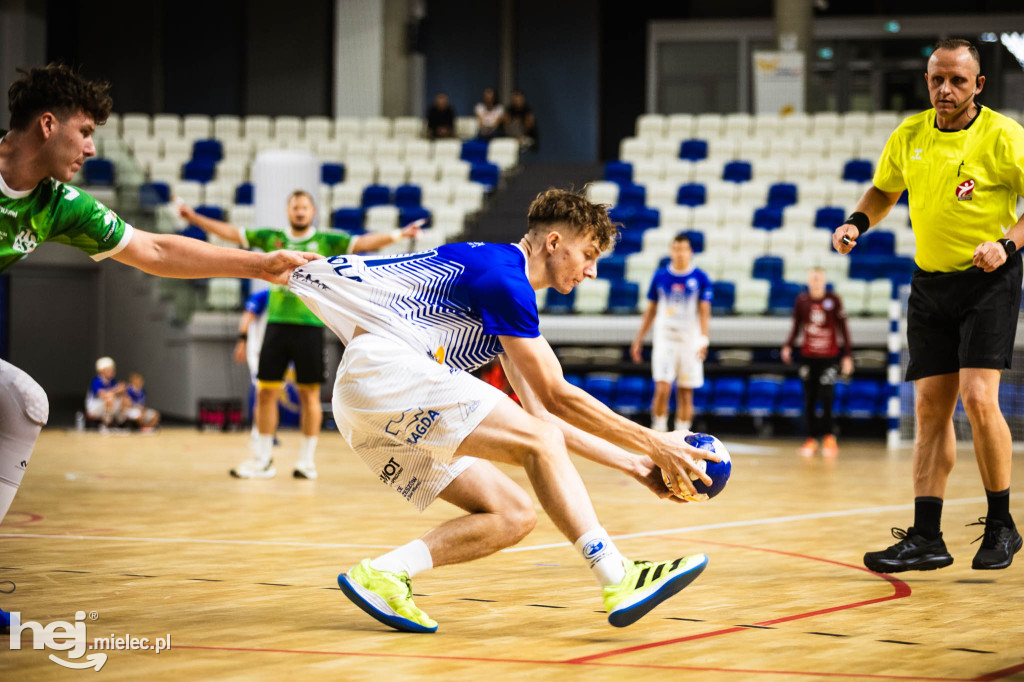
[(677, 295), (451, 303), (98, 384)]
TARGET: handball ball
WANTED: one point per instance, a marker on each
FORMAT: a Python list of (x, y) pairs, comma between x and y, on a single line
[(718, 471)]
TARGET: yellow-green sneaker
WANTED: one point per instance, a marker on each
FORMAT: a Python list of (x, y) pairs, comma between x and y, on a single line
[(386, 596), (647, 584)]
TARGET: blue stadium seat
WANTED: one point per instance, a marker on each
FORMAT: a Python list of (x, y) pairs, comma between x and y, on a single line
[(866, 266), (763, 395), (840, 394), (602, 387), (244, 194), (900, 269), (612, 267), (791, 400), (348, 219), (207, 150), (727, 396), (724, 297), (782, 297), (375, 195), (487, 174), (193, 232), (645, 218), (904, 198), (98, 172), (623, 296), (199, 171), (631, 240), (557, 303), (474, 151), (878, 243), (574, 379), (696, 240), (154, 193), (692, 194), (215, 212), (622, 215), (768, 267), (829, 217), (619, 172), (862, 399), (412, 213), (767, 218), (702, 395), (632, 196), (693, 150), (858, 170), (633, 394), (332, 173), (737, 171), (408, 196), (782, 194)]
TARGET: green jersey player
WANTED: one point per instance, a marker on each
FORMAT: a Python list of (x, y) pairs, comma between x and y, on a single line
[(54, 112), (293, 333)]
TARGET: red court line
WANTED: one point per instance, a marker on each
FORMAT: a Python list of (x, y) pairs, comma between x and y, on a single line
[(643, 666), (900, 590), (1000, 674)]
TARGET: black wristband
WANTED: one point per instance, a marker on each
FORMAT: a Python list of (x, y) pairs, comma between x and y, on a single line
[(243, 336), (860, 221), (1009, 246)]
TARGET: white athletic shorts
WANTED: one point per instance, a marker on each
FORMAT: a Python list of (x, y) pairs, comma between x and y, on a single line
[(96, 408), (405, 414), (674, 359)]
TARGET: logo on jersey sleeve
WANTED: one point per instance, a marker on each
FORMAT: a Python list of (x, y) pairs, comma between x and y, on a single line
[(965, 191), (26, 241)]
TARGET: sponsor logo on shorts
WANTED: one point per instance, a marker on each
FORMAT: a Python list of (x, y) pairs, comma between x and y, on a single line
[(391, 471), (413, 424), (965, 191)]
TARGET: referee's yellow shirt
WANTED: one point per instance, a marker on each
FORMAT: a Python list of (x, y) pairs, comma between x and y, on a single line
[(963, 185)]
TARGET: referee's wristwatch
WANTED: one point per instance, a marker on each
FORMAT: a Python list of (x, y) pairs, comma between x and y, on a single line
[(1009, 246)]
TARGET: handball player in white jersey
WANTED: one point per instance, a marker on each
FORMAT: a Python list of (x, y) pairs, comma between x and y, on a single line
[(404, 399), (679, 306)]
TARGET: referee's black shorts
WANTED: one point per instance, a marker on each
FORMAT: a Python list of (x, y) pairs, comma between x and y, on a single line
[(302, 344), (962, 319)]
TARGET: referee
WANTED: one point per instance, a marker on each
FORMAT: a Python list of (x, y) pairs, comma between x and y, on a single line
[(963, 167)]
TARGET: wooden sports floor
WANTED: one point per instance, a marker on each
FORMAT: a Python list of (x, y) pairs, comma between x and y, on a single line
[(151, 538)]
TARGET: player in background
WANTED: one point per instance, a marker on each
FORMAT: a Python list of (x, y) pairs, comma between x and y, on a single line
[(679, 307), (251, 327), (962, 165), (818, 314), (414, 327), (133, 407), (54, 113), (103, 400), (293, 334)]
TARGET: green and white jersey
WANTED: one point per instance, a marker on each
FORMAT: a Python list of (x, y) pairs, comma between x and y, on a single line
[(57, 212), (284, 307)]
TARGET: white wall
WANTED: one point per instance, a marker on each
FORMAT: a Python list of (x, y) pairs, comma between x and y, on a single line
[(358, 57)]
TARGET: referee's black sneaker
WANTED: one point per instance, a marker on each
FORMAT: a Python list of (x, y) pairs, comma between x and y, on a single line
[(998, 545), (913, 552)]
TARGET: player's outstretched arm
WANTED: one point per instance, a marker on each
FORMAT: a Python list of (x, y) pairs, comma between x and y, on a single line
[(225, 231), (875, 204), (372, 242), (588, 446), (169, 255), (538, 365)]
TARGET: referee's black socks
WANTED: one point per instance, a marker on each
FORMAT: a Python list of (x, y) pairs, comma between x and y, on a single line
[(999, 506), (927, 516)]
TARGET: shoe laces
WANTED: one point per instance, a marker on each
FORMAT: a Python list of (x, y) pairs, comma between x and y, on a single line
[(899, 534), (3, 588), (992, 530)]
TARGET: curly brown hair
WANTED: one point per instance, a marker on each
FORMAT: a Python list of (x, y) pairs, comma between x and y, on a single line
[(564, 207), (58, 89)]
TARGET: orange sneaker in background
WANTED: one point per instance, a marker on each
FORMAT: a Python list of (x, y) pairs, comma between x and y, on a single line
[(829, 447), (809, 447)]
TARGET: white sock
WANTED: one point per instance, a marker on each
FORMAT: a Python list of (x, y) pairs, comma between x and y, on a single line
[(264, 446), (683, 426), (307, 450), (659, 423), (602, 556), (254, 437), (412, 558)]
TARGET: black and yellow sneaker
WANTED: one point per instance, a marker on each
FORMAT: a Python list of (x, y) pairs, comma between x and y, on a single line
[(913, 552), (647, 584), (999, 543)]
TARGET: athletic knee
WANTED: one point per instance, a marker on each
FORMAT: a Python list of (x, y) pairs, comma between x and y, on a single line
[(30, 397), (520, 517), (979, 402), (928, 411)]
